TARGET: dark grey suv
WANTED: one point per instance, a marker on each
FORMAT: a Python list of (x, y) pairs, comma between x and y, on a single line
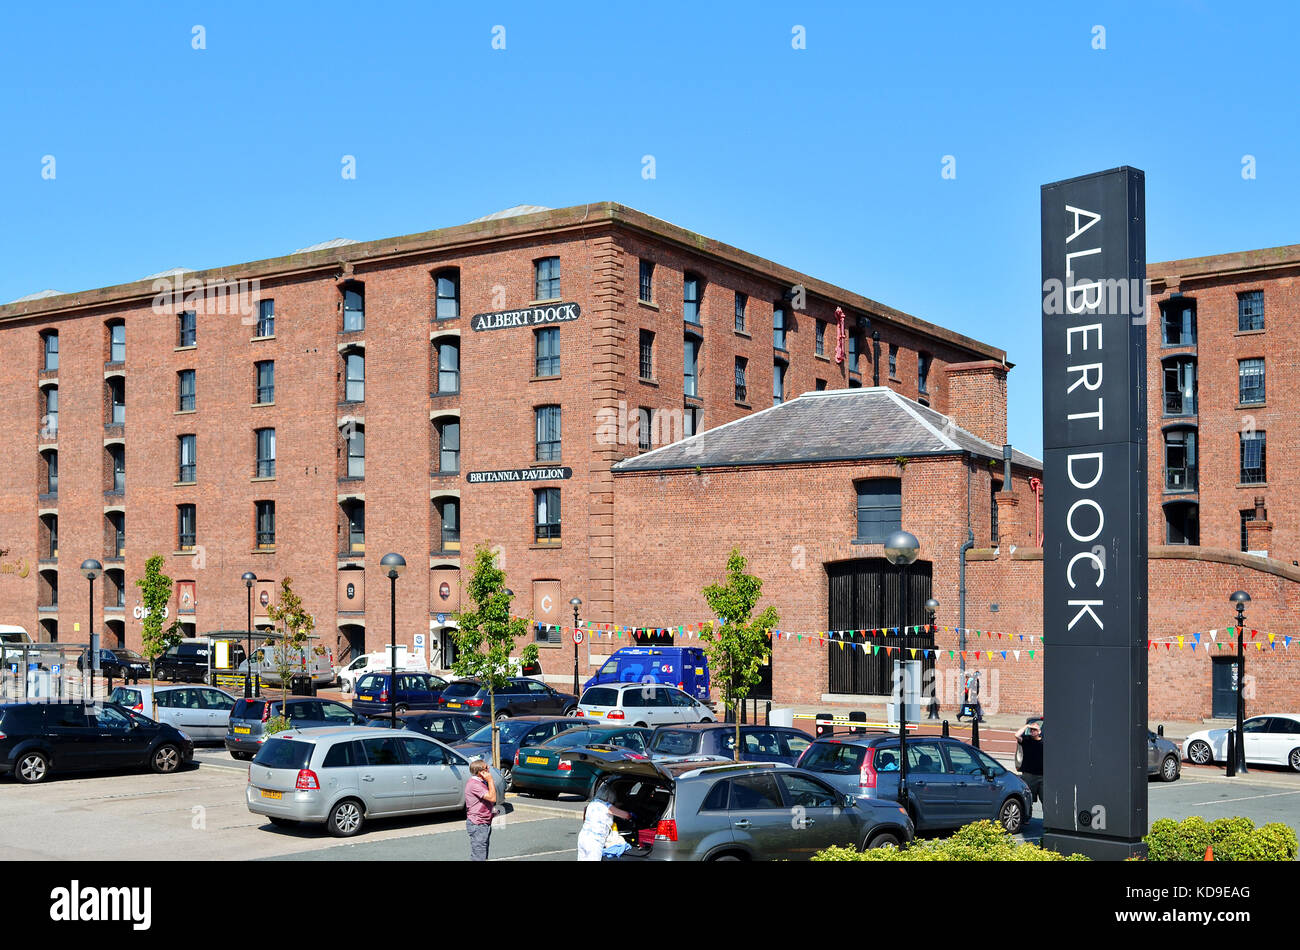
[(700, 809)]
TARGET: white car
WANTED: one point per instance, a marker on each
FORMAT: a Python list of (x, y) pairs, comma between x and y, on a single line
[(378, 659), (642, 704), (1273, 739)]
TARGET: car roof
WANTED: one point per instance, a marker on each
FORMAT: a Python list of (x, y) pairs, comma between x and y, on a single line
[(710, 726), (336, 732)]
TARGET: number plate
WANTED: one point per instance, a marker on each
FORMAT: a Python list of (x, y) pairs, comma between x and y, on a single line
[(454, 705), (367, 699), (242, 730), (276, 796), (595, 712), (535, 760)]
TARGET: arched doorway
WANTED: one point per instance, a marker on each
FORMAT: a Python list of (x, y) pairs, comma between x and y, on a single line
[(351, 643), (869, 594)]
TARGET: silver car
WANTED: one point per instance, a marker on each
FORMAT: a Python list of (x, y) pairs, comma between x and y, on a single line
[(201, 712), (342, 776)]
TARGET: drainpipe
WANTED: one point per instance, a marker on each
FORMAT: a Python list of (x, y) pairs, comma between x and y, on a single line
[(961, 573), (875, 357)]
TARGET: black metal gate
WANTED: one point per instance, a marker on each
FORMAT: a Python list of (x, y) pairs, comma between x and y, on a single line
[(869, 594)]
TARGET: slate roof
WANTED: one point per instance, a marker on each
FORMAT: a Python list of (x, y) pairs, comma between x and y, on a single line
[(837, 425)]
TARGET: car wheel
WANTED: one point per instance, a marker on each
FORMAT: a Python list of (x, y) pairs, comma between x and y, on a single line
[(1200, 753), (1012, 815), (503, 715), (242, 756), (706, 719), (1294, 760), (727, 857), (401, 708), (345, 818), (571, 712), (885, 839), (283, 822), (507, 779), (32, 767), (1169, 768), (642, 725), (1020, 756), (165, 759)]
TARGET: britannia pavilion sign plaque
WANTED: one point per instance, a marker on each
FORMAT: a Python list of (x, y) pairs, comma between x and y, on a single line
[(519, 475), (1095, 508), (528, 317)]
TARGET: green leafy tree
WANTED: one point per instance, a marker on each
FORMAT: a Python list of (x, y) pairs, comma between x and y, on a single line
[(487, 635), (739, 647), (157, 636), (296, 625)]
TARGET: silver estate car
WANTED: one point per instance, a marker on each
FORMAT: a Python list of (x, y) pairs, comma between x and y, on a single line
[(342, 776)]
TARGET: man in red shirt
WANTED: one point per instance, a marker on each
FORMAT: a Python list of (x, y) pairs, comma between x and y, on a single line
[(480, 796)]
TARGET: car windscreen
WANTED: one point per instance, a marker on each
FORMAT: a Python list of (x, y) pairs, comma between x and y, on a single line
[(573, 738), (461, 689), (509, 731), (670, 742), (248, 709), (372, 681), (833, 757), (128, 655), (127, 697), (600, 696), (284, 754)]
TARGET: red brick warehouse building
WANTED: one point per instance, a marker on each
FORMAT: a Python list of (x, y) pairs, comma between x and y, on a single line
[(304, 415)]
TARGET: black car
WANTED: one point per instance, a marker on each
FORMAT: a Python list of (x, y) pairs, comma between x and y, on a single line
[(40, 739), (246, 728), (186, 662), (448, 727), (757, 743), (521, 697), (117, 664)]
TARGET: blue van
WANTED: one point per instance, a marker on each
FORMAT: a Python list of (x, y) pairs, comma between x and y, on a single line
[(687, 668)]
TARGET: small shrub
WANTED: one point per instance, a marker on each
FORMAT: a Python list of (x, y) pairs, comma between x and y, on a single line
[(277, 723), (978, 841), (1233, 839)]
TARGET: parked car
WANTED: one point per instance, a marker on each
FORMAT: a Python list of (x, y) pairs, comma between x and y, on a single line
[(1272, 739), (265, 662), (512, 733), (745, 811), (414, 691), (687, 668), (42, 739), (445, 727), (522, 697), (117, 664), (757, 743), (201, 712), (949, 782), (248, 720), (542, 770), (343, 777), (348, 675), (186, 662), (642, 704), (1163, 759)]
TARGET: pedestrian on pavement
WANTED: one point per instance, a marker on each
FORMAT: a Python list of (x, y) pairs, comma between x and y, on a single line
[(597, 820), (480, 796), (1030, 736), (977, 710)]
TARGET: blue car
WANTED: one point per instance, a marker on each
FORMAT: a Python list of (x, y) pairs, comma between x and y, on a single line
[(414, 691), (949, 782), (511, 734)]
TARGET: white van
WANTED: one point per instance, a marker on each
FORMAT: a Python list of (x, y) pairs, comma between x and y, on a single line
[(379, 659), (304, 660)]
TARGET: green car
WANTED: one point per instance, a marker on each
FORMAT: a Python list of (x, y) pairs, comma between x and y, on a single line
[(539, 769)]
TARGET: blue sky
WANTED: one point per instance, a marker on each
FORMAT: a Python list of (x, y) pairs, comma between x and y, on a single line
[(827, 159)]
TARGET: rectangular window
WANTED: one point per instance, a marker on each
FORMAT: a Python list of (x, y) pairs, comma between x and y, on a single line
[(51, 350), (356, 515), (778, 327), (185, 527), (854, 366), (354, 383), (692, 364), (742, 390), (188, 467), (188, 334), (1247, 514), (117, 522), (548, 433), (185, 390), (1180, 460), (117, 454), (547, 271), (821, 337), (741, 300), (117, 401), (450, 510), (448, 367), (354, 308), (880, 509), (265, 381), (547, 345), (117, 343), (265, 453), (447, 289), (50, 424), (821, 385), (647, 281), (922, 372), (644, 423), (1182, 524), (893, 361), (356, 439), (1253, 469), (993, 512), (1178, 322), (547, 522), (1180, 387), (646, 366), (265, 524), (266, 318), (1250, 310), (690, 421), (52, 473), (691, 298), (1250, 381), (449, 447), (778, 383)]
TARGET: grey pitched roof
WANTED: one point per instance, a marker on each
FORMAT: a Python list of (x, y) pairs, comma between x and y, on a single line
[(830, 426)]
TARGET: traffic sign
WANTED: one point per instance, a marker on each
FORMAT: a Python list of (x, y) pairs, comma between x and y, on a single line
[(577, 636)]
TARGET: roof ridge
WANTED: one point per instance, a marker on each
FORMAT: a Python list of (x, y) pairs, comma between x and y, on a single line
[(911, 409)]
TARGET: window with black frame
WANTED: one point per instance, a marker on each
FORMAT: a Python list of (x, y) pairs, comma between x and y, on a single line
[(1180, 386), (547, 348), (447, 294), (50, 351), (354, 307), (355, 437), (265, 515), (188, 328), (1250, 381), (646, 361), (741, 301), (691, 367), (265, 370), (1250, 310), (547, 520), (448, 446), (548, 433), (354, 513), (880, 509), (117, 342), (1253, 468), (448, 367), (266, 318), (449, 523), (646, 288), (354, 375), (692, 289), (742, 390), (188, 466), (185, 390), (186, 530), (778, 326), (547, 274), (1180, 460), (265, 453), (643, 429), (821, 337), (1178, 322)]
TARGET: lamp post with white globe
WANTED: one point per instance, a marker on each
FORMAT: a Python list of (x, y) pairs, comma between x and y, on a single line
[(901, 548)]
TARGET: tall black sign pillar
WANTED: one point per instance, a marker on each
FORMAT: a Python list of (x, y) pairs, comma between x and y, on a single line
[(1095, 506)]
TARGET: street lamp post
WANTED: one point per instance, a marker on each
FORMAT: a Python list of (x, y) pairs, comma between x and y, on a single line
[(1241, 599), (901, 548), (248, 579), (575, 603), (393, 565), (931, 608), (91, 569)]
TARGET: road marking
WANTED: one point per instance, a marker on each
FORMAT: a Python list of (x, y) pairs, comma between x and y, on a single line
[(537, 854), (1248, 798)]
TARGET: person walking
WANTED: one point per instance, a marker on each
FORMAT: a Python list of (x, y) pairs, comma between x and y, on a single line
[(1030, 737), (977, 711), (480, 797)]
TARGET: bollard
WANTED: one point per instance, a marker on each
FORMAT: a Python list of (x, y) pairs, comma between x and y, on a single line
[(857, 716), (767, 714), (945, 728), (1232, 753), (825, 729), (1160, 730), (975, 732)]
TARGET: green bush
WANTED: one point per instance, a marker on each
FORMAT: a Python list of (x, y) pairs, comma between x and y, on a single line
[(276, 724), (1233, 839), (978, 841)]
